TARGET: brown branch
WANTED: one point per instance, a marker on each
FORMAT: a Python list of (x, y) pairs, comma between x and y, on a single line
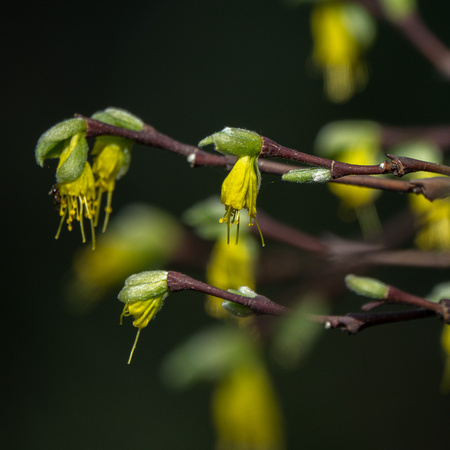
[(271, 149), (260, 305), (356, 322), (402, 165), (426, 42), (398, 165), (417, 33), (196, 157)]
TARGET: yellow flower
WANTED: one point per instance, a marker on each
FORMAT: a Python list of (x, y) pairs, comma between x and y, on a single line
[(246, 412), (354, 197), (434, 220), (230, 267), (445, 341), (111, 161), (76, 198), (340, 33), (239, 191), (143, 294)]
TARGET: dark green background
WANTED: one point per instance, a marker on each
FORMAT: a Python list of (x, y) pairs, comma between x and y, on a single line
[(190, 68)]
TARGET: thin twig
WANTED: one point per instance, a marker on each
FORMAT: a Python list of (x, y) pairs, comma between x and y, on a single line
[(356, 322), (260, 305)]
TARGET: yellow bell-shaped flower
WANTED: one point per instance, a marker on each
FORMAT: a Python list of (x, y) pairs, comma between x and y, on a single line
[(341, 31), (433, 219), (230, 267), (239, 191), (246, 412)]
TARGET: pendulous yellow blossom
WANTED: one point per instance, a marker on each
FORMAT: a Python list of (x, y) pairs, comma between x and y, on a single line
[(111, 161), (76, 198), (445, 341), (143, 294), (341, 31), (433, 219), (240, 188), (354, 197), (246, 412), (239, 191), (229, 267)]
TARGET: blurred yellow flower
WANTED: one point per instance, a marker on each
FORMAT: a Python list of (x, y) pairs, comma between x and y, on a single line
[(246, 412), (445, 341), (341, 32), (433, 219), (229, 267), (353, 197)]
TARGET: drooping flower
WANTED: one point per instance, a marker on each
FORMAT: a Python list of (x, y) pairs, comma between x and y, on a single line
[(143, 294), (77, 200), (240, 188), (111, 159), (246, 412), (229, 267), (112, 156), (433, 219), (354, 197), (445, 342), (239, 191), (353, 142), (74, 192), (341, 32)]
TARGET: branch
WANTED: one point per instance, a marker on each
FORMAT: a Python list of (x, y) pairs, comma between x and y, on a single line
[(421, 37), (356, 322), (414, 29), (398, 165), (196, 157), (260, 305), (339, 250)]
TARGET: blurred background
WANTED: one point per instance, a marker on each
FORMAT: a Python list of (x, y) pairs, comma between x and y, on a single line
[(189, 68)]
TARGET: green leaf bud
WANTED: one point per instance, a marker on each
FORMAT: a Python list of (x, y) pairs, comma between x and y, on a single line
[(72, 166), (236, 309), (398, 9), (235, 141), (367, 287), (313, 175), (119, 118), (144, 286), (51, 143)]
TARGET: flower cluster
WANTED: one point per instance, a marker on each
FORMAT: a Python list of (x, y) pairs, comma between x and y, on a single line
[(79, 184)]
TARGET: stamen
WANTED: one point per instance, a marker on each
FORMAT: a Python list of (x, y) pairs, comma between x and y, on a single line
[(83, 236), (134, 345), (63, 216), (99, 203), (236, 221), (260, 232), (108, 211)]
